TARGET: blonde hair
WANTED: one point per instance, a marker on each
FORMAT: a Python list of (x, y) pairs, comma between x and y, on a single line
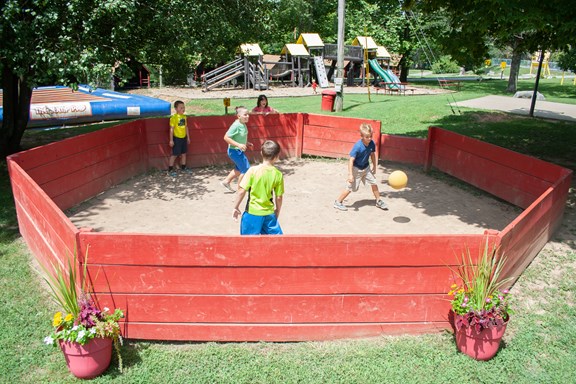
[(365, 129), (240, 110)]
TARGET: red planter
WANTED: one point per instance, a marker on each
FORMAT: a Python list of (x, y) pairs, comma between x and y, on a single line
[(89, 360), (481, 345)]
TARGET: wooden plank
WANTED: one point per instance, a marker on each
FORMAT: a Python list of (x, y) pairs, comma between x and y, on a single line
[(93, 187), (277, 251), (125, 163), (31, 197), (272, 280), (489, 171), (505, 157), (278, 333), (279, 309), (402, 156), (81, 161), (480, 173), (335, 122), (51, 152), (525, 237)]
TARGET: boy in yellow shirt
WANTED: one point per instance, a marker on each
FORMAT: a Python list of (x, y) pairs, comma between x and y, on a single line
[(179, 138)]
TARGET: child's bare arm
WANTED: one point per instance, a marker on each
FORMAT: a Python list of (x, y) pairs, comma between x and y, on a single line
[(239, 197), (171, 139), (350, 170), (278, 205), (373, 158), (233, 142)]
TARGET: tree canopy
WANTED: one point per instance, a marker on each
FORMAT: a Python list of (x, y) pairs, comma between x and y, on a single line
[(87, 41)]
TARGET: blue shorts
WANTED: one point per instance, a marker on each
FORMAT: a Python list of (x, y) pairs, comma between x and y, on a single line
[(259, 225), (180, 146), (240, 160)]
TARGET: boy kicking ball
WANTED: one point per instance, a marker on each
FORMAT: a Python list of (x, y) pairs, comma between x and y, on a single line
[(359, 168)]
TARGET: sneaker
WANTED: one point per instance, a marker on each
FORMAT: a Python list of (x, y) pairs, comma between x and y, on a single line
[(227, 187), (172, 173), (187, 171), (339, 205), (382, 205)]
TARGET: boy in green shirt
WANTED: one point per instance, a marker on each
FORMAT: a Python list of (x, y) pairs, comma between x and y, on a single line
[(265, 186)]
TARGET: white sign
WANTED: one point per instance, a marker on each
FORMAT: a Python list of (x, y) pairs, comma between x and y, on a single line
[(133, 111), (60, 110)]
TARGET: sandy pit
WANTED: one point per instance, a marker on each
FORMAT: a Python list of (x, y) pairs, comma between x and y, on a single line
[(197, 204)]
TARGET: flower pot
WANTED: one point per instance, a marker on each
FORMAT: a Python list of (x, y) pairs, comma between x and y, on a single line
[(89, 360), (481, 345)]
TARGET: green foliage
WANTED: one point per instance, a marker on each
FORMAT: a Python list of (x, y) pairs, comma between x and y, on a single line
[(480, 299), (445, 64), (567, 60)]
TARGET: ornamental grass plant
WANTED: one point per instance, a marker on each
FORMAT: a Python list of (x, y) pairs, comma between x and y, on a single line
[(480, 300), (80, 319)]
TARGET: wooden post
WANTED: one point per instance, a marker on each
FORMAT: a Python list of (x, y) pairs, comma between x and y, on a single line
[(339, 102)]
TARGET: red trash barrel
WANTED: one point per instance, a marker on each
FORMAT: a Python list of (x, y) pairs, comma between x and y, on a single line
[(328, 98)]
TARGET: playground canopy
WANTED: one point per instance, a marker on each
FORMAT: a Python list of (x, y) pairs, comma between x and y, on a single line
[(310, 40), (251, 50), (366, 42), (296, 50), (382, 53)]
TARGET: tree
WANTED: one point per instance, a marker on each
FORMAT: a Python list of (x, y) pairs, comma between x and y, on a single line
[(59, 42), (567, 60), (475, 24)]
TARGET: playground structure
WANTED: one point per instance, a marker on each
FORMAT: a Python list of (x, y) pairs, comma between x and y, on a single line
[(300, 62), (274, 288), (535, 62), (249, 66)]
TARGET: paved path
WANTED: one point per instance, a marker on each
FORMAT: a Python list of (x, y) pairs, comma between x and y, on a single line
[(544, 109)]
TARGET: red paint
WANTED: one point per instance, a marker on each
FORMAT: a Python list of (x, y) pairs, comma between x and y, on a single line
[(283, 288)]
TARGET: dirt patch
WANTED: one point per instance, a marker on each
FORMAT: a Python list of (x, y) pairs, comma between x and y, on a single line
[(196, 204)]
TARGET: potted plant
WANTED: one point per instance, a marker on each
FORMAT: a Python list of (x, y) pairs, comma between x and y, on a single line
[(480, 305), (84, 333)]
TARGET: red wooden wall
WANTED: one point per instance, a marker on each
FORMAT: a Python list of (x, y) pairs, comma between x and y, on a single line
[(279, 287), (538, 186), (207, 146)]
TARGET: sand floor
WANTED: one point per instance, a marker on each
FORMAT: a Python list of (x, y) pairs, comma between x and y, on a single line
[(197, 204)]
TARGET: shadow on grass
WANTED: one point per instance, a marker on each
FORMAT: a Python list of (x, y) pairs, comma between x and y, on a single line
[(8, 222)]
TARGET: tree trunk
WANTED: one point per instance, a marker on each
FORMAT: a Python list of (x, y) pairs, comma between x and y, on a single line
[(514, 69), (16, 98), (403, 64), (404, 70)]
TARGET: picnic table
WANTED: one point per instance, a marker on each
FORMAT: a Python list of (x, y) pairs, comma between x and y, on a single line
[(450, 84), (391, 88)]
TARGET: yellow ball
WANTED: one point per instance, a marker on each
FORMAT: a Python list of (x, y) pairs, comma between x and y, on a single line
[(397, 180)]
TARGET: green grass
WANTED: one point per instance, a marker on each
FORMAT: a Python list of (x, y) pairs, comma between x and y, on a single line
[(538, 346)]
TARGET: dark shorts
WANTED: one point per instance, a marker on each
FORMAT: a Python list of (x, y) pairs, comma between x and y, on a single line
[(240, 160), (180, 146), (259, 225)]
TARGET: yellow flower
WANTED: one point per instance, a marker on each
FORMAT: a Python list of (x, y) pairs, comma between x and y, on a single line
[(68, 317), (57, 320), (450, 293), (453, 286)]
